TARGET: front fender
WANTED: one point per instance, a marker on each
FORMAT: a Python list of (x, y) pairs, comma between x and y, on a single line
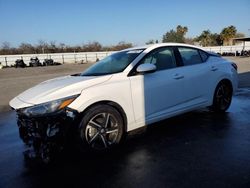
[(117, 91)]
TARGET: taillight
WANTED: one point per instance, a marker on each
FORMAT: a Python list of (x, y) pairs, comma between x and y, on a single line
[(234, 66)]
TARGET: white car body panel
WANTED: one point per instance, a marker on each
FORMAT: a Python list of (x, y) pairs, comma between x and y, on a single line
[(144, 98), (116, 90)]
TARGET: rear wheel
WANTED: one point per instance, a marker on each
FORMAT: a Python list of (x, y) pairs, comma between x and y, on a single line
[(101, 128), (222, 97)]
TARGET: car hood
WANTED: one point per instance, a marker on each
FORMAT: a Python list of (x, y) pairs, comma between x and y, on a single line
[(55, 89)]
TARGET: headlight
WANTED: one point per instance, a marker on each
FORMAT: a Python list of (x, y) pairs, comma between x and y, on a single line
[(49, 107)]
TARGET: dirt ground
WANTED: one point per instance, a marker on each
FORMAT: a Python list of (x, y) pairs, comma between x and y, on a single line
[(14, 81)]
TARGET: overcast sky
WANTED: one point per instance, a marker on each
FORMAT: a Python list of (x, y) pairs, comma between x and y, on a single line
[(75, 22)]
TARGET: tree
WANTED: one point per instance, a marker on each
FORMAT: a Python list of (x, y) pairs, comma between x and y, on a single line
[(176, 36), (216, 40), (26, 48), (5, 48), (52, 47), (42, 47), (92, 47), (227, 34), (181, 30), (122, 45), (62, 47), (172, 36), (6, 45), (207, 38), (151, 41), (189, 40)]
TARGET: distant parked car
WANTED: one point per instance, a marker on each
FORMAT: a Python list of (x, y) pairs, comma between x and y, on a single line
[(19, 63), (50, 62), (34, 62)]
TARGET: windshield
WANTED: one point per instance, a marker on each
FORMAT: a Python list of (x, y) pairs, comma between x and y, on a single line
[(114, 63)]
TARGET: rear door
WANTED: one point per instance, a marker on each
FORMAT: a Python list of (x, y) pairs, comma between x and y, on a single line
[(197, 74)]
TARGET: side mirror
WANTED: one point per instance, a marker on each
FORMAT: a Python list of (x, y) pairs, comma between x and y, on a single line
[(146, 68)]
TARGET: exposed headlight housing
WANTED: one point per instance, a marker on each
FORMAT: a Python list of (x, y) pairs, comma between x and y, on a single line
[(48, 107)]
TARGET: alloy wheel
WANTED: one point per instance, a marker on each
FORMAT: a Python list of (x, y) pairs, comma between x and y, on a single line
[(102, 131), (223, 96)]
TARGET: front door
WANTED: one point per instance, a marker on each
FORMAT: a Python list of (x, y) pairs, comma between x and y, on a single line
[(159, 94)]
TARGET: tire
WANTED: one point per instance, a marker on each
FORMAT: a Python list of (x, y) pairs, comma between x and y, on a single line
[(222, 97), (101, 128)]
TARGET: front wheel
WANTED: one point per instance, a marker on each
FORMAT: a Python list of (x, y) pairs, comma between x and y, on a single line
[(101, 128), (222, 97)]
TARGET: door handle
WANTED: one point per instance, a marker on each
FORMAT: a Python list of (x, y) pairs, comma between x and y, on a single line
[(178, 76), (213, 68)]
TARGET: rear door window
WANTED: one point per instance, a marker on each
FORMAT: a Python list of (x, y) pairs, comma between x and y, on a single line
[(190, 56)]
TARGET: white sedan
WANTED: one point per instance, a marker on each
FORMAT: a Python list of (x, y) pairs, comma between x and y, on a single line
[(126, 90)]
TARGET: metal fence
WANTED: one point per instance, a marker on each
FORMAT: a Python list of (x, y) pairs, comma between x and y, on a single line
[(79, 57), (227, 49)]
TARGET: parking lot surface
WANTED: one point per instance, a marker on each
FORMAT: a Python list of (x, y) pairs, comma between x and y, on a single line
[(198, 149)]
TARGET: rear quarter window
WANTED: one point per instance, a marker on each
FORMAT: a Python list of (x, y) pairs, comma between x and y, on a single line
[(204, 55)]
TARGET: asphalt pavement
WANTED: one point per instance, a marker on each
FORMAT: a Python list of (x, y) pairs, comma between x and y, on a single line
[(197, 149)]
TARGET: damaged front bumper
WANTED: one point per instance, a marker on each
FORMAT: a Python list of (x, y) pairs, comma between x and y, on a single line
[(47, 135)]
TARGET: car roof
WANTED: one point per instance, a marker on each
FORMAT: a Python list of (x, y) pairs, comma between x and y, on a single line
[(153, 46)]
